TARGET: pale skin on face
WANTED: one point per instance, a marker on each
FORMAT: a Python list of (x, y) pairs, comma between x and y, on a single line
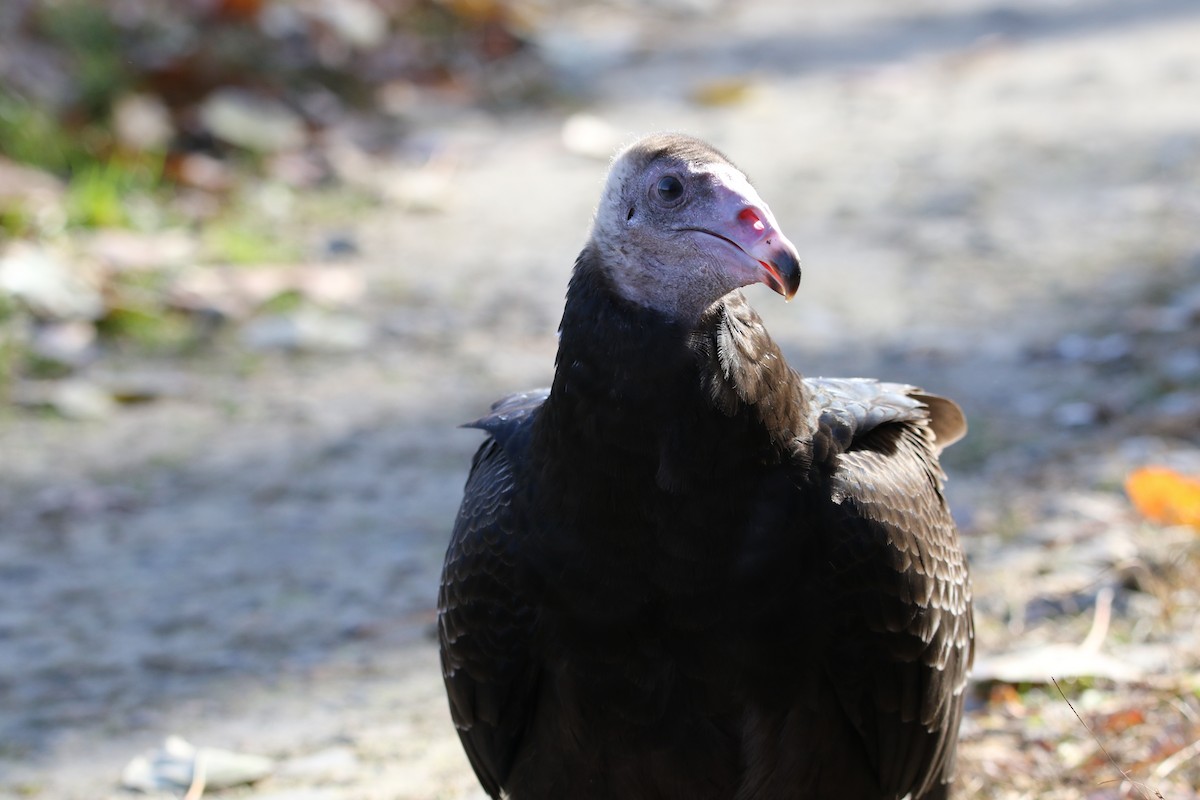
[(680, 258)]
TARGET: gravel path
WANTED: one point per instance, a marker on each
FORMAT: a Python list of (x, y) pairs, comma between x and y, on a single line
[(1000, 205)]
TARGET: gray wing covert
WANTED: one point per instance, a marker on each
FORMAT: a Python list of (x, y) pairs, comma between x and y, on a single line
[(899, 568)]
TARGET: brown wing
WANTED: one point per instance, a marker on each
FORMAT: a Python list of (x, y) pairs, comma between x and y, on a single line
[(899, 585)]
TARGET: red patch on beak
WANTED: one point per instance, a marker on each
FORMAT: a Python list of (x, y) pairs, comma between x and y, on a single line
[(748, 215)]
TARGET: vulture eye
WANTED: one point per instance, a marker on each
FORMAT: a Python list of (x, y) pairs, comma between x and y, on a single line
[(669, 189)]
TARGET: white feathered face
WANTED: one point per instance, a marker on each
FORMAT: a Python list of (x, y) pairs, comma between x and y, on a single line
[(679, 227)]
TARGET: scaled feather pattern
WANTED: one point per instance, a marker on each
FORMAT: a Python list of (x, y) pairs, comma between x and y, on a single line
[(685, 571)]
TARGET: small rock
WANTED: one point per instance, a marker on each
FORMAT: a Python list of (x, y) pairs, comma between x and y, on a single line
[(1181, 314), (357, 22), (51, 288), (302, 794), (1156, 450), (1186, 303), (1182, 365), (331, 764), (397, 97), (82, 400), (331, 286), (233, 292), (590, 136), (1180, 405), (252, 121), (1110, 348), (72, 398), (686, 8), (81, 500), (1073, 347), (307, 331), (586, 44), (948, 201), (426, 190), (1032, 404), (142, 122), (1104, 350), (1176, 150), (70, 344), (205, 172), (27, 185), (122, 250), (177, 764), (282, 21), (341, 245), (297, 169), (1080, 414)]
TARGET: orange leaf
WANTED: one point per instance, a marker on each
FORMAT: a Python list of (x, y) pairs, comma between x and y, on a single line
[(1165, 496), (1120, 720), (1007, 697)]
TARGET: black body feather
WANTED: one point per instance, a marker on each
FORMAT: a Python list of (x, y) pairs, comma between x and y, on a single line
[(686, 572)]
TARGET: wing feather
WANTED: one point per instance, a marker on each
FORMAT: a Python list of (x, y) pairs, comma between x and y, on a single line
[(900, 573), (484, 621)]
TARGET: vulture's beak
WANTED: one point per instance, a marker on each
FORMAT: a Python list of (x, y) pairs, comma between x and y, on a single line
[(779, 261), (738, 215), (755, 233)]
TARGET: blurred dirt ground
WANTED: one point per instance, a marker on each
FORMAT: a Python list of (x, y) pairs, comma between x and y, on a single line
[(999, 203)]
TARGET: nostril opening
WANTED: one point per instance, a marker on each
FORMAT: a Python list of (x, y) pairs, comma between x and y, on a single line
[(751, 216)]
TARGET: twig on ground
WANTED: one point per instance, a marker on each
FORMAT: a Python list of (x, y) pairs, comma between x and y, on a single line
[(199, 778), (1100, 622), (1175, 761), (1141, 787)]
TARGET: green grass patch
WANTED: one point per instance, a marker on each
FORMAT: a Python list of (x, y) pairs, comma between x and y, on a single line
[(99, 194), (34, 136), (236, 238), (87, 32), (16, 221), (100, 184), (11, 350), (151, 330), (137, 317)]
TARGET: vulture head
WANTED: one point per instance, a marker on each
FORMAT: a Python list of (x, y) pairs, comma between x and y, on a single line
[(678, 227)]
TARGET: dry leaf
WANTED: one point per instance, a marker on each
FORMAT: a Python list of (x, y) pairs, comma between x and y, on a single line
[(724, 92), (1165, 496), (1006, 696), (1120, 720)]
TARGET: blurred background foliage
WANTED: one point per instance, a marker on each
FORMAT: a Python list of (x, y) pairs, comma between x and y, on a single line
[(180, 133), (194, 192)]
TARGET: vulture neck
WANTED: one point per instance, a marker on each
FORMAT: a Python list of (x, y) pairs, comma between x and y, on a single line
[(692, 402)]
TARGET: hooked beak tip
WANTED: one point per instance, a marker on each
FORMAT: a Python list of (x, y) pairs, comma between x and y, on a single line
[(782, 271)]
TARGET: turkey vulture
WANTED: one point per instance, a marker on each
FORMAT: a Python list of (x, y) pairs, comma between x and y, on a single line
[(683, 570)]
